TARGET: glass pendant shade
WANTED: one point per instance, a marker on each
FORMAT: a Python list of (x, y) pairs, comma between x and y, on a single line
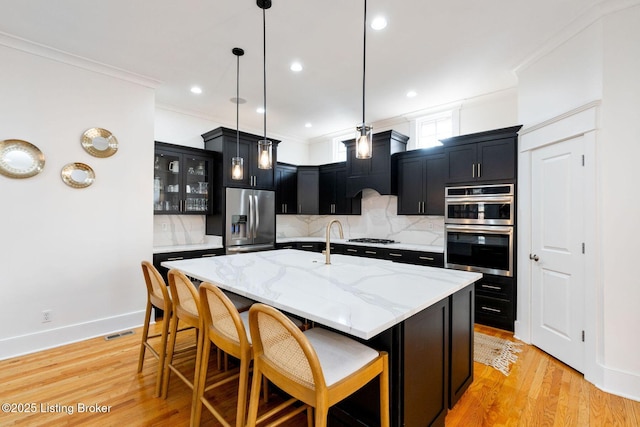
[(265, 160), (364, 142), (237, 168)]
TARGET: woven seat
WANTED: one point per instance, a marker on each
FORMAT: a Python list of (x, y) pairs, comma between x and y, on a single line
[(228, 329), (157, 296), (317, 367), (186, 310)]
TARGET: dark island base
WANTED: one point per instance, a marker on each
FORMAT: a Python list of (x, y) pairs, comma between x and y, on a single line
[(430, 363)]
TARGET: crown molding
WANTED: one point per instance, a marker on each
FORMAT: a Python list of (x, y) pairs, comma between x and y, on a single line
[(586, 19), (57, 55)]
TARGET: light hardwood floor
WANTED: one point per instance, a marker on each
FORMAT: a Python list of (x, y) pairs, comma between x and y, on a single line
[(540, 391)]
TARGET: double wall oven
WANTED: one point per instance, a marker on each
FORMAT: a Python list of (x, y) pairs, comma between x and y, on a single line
[(479, 228)]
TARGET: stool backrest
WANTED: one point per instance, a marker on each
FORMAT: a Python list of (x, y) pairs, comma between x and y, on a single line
[(184, 295), (156, 286)]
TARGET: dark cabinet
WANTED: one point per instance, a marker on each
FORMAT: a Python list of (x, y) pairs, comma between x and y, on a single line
[(224, 140), (286, 189), (333, 191), (308, 181), (377, 172), (431, 259), (183, 180), (482, 157), (421, 180), (366, 251), (496, 301)]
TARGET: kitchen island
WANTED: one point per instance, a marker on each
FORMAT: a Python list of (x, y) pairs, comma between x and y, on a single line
[(422, 316)]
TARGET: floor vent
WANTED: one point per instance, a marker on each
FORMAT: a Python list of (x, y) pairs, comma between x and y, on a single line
[(118, 335)]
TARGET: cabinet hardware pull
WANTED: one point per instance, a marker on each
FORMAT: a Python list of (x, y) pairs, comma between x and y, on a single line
[(495, 310), (473, 170), (208, 255), (370, 252), (392, 254), (419, 206), (426, 258), (352, 250), (479, 171), (178, 258), (307, 246), (497, 288)]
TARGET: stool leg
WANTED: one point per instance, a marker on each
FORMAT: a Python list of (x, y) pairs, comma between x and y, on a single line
[(243, 386), (170, 348), (200, 382), (163, 353), (145, 335), (384, 392), (255, 396)]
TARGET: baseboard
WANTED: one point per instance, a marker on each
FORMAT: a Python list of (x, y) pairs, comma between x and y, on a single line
[(624, 384), (31, 343)]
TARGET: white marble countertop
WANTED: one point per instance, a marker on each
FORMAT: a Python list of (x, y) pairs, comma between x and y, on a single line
[(183, 248), (358, 296), (397, 245)]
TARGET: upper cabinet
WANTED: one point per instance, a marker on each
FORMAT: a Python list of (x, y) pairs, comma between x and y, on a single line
[(482, 157), (182, 180), (286, 189), (376, 172), (421, 181), (224, 140), (333, 191), (308, 188)]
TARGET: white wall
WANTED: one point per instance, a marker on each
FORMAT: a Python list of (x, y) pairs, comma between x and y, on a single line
[(75, 252), (618, 156), (601, 62)]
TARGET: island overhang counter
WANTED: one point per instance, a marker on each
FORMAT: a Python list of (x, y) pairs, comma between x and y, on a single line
[(422, 316)]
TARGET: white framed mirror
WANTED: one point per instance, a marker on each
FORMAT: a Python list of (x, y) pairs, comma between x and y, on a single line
[(20, 159), (99, 142), (77, 175)]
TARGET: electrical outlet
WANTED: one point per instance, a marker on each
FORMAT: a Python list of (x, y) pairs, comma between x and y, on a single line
[(46, 316), (165, 226), (430, 226)]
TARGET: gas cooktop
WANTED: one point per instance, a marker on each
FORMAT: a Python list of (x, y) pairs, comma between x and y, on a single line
[(371, 240)]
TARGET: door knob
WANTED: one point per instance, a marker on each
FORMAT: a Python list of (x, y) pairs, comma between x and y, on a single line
[(534, 257)]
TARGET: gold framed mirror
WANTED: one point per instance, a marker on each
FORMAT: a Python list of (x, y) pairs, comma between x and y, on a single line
[(99, 142), (77, 175), (20, 159)]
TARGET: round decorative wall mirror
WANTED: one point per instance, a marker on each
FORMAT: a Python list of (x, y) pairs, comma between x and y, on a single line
[(99, 142), (77, 175), (20, 159)]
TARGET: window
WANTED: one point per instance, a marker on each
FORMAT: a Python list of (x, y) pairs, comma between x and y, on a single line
[(431, 129), (339, 149)]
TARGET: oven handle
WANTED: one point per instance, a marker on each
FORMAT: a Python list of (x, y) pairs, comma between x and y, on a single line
[(466, 200), (491, 229)]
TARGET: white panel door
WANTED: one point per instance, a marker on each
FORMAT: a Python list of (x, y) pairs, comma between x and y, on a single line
[(558, 268)]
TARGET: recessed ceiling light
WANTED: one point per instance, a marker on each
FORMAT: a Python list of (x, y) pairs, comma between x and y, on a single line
[(260, 110), (296, 67), (307, 125), (196, 89), (411, 94), (378, 23)]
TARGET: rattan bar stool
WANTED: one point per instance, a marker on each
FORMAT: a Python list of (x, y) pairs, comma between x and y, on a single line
[(228, 329), (186, 310), (317, 367), (157, 296)]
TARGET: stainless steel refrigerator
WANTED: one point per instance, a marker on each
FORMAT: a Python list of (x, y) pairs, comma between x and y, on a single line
[(250, 220)]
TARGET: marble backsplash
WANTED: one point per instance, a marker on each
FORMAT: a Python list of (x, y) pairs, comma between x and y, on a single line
[(379, 220), (180, 230)]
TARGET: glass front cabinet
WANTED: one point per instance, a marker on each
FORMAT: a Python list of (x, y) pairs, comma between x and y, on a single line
[(182, 180)]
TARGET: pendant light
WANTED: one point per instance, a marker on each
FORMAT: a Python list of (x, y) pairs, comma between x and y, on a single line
[(364, 132), (265, 160), (237, 163)]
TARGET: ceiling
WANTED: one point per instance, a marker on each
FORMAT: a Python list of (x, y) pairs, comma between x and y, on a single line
[(445, 51)]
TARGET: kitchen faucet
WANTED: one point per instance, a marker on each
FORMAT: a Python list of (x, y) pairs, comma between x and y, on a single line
[(327, 252)]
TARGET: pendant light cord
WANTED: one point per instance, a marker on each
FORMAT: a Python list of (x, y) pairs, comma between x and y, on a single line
[(264, 68), (238, 106), (364, 63)]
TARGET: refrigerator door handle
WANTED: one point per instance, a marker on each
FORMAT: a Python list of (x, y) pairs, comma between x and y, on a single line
[(250, 231), (257, 217)]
